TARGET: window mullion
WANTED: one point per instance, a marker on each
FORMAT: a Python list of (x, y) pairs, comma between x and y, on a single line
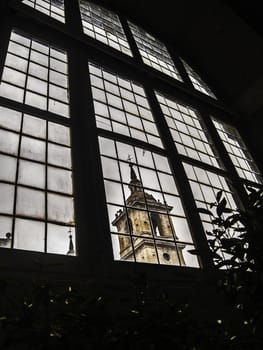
[(72, 16), (91, 216), (131, 40), (180, 67), (182, 182), (5, 32)]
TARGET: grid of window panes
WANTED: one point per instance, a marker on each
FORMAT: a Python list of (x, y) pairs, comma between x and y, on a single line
[(36, 207), (121, 106), (35, 73), (146, 216), (52, 8), (238, 152), (154, 53), (198, 83), (103, 25), (188, 131), (205, 186)]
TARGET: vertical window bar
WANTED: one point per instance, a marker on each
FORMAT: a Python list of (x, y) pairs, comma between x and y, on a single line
[(130, 39)]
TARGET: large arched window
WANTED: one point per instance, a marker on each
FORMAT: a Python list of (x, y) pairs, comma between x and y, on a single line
[(108, 142)]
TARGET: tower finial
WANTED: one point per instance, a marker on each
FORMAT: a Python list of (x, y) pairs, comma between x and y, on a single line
[(71, 250)]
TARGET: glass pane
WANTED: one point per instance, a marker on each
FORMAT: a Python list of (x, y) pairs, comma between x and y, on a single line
[(59, 134), (58, 241), (33, 149), (169, 255), (38, 71), (30, 203), (59, 180), (5, 232), (31, 174), (110, 167), (7, 198), (182, 230), (15, 61), (8, 142), (36, 100), (7, 168), (58, 155), (122, 248), (58, 108), (12, 76), (12, 92), (37, 85), (190, 259), (34, 126), (60, 208), (10, 119), (113, 192), (145, 251), (29, 235)]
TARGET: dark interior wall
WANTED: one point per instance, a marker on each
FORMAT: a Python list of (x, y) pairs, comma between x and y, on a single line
[(222, 40)]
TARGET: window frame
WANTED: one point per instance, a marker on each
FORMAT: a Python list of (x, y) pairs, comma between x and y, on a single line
[(88, 179)]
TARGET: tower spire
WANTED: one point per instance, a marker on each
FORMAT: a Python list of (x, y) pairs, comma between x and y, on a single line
[(135, 184), (132, 173)]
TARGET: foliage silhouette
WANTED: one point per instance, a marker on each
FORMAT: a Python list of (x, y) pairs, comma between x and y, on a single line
[(222, 310)]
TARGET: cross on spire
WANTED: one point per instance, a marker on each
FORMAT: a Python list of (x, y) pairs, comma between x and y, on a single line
[(129, 158)]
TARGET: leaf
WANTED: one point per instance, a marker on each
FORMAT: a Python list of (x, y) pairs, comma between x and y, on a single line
[(221, 207), (229, 242), (205, 211), (219, 195), (228, 210), (208, 233), (211, 242), (193, 251), (135, 312)]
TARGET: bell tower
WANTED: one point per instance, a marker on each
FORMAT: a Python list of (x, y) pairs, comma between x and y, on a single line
[(152, 232)]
